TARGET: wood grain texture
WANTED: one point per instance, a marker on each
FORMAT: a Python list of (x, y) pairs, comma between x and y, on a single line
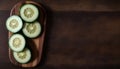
[(36, 45), (83, 5), (71, 5), (75, 39), (84, 38)]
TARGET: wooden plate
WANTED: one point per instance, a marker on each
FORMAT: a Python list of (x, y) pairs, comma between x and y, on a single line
[(36, 44)]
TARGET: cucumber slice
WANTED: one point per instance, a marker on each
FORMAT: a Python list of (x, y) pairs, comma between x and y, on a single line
[(14, 23), (17, 42), (23, 56), (32, 30), (29, 12)]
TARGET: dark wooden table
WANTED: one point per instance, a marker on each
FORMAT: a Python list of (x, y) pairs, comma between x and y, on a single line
[(80, 34)]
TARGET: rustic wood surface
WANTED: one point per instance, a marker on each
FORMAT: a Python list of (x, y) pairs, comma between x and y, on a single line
[(81, 34), (71, 5)]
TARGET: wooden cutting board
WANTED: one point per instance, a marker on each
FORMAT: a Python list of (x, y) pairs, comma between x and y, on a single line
[(36, 44)]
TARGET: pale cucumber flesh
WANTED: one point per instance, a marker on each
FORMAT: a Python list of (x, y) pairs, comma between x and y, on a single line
[(14, 23), (32, 30), (17, 42), (29, 12), (23, 56)]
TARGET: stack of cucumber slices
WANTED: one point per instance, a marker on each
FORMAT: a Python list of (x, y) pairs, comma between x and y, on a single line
[(26, 22)]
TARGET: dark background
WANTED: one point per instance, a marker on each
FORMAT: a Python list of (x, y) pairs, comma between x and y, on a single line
[(81, 34)]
